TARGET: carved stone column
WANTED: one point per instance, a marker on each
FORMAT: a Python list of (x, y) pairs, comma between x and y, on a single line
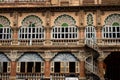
[(82, 69), (101, 68)]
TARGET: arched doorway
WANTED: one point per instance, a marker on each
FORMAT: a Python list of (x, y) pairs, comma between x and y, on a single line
[(112, 66)]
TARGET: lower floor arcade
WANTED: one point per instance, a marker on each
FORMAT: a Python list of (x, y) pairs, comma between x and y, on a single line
[(62, 66)]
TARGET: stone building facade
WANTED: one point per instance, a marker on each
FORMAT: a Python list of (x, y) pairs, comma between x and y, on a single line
[(58, 39)]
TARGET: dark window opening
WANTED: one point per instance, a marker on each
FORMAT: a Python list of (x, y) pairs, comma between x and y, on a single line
[(22, 67), (5, 66), (29, 66), (38, 67), (1, 31), (57, 67), (72, 67)]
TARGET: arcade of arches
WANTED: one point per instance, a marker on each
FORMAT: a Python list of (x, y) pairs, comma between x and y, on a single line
[(60, 45)]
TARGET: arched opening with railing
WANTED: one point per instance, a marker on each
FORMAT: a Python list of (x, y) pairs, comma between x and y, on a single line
[(64, 31), (64, 65), (111, 30), (31, 32), (30, 66)]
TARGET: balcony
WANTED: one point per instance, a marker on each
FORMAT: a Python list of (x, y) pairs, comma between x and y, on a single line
[(5, 42), (31, 76), (4, 76), (65, 42), (33, 42), (111, 42)]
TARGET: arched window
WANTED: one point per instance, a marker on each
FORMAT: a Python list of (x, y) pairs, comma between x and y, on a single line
[(31, 28), (90, 32), (5, 30), (64, 28), (112, 26)]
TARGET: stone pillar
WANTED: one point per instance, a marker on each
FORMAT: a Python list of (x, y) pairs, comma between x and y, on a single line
[(101, 68), (13, 70), (82, 69), (47, 69)]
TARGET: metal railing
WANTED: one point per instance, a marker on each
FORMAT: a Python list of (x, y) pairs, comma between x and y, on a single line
[(92, 68)]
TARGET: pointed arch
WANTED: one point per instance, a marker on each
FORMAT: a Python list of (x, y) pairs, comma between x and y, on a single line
[(4, 21), (30, 57), (64, 20), (32, 21), (64, 57)]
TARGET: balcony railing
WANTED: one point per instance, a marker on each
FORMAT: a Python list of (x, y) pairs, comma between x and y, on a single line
[(31, 76), (65, 42), (31, 42), (62, 76), (111, 42), (11, 1), (4, 76), (5, 42)]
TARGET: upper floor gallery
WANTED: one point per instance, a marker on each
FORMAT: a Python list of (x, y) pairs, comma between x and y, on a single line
[(60, 28)]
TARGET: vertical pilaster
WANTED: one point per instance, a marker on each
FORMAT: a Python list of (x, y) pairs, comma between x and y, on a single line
[(13, 56), (47, 69), (48, 28), (82, 69), (47, 65), (15, 28), (13, 70), (98, 26), (101, 68)]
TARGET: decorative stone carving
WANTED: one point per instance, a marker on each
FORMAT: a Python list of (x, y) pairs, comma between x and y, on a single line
[(13, 55), (3, 58), (112, 19), (4, 21), (30, 57), (64, 57), (65, 20), (32, 21)]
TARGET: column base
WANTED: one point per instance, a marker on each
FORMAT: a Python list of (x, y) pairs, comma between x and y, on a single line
[(82, 78), (46, 78), (12, 77)]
